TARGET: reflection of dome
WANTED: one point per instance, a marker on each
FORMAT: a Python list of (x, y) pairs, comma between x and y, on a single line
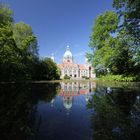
[(67, 55), (67, 101), (67, 105)]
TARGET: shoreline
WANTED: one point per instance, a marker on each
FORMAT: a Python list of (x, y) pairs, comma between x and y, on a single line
[(65, 81)]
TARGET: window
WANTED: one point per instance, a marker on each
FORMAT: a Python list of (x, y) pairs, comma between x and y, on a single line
[(70, 71), (65, 71), (74, 71)]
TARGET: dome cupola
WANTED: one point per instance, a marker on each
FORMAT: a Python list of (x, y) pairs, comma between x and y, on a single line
[(68, 57)]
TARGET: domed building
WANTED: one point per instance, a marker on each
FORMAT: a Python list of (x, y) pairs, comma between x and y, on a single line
[(68, 56), (73, 70)]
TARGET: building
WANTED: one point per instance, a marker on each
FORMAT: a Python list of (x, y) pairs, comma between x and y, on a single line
[(73, 70)]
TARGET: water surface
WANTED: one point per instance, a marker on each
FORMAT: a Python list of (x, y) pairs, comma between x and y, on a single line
[(70, 111)]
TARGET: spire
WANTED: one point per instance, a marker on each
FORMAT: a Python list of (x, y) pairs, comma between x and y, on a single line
[(52, 57), (68, 48), (68, 57)]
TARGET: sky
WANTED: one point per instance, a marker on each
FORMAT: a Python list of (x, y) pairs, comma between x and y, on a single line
[(58, 23)]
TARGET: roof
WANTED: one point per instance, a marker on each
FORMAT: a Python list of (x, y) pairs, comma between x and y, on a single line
[(83, 67), (68, 53), (73, 65)]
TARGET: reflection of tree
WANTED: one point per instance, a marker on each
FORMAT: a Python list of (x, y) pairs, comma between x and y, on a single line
[(116, 115), (18, 107)]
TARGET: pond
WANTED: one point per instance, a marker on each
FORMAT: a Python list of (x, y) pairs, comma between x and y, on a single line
[(70, 111)]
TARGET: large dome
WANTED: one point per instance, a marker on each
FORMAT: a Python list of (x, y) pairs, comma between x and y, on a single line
[(67, 55)]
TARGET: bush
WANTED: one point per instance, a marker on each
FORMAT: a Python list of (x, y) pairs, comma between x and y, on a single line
[(85, 77), (119, 78), (67, 77)]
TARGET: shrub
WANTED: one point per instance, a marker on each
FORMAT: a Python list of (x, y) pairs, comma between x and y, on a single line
[(119, 78), (85, 77), (67, 77)]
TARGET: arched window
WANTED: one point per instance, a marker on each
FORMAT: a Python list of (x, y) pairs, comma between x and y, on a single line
[(70, 71), (74, 71), (65, 71)]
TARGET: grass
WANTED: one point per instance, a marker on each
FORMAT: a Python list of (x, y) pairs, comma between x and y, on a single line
[(119, 78)]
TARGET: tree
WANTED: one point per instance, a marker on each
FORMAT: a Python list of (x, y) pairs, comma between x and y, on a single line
[(46, 69), (25, 39), (114, 48), (102, 40), (123, 62), (129, 10), (19, 59), (9, 53), (27, 43), (5, 15), (51, 71)]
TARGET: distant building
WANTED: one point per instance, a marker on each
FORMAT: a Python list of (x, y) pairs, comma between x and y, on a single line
[(69, 68)]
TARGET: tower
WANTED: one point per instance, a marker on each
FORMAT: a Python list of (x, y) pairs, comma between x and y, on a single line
[(68, 57), (52, 57)]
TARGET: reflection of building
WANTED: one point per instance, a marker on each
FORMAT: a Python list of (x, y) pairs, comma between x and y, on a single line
[(69, 90), (71, 69), (67, 100)]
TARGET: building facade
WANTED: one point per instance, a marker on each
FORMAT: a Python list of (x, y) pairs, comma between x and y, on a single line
[(73, 70)]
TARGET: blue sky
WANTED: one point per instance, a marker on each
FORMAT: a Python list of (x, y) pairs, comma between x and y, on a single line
[(58, 23)]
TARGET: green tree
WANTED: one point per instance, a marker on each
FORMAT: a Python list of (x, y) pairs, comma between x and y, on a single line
[(5, 15), (27, 43), (123, 59), (25, 39), (51, 71), (114, 49), (9, 53), (46, 69), (19, 59), (129, 10), (102, 41)]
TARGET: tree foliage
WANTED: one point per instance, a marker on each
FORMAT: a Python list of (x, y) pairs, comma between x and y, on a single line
[(19, 59), (47, 69), (115, 40), (101, 41), (130, 11), (25, 39)]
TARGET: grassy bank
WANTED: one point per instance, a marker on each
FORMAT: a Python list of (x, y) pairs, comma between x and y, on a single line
[(120, 78)]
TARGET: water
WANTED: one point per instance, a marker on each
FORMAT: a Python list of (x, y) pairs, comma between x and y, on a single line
[(70, 111)]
